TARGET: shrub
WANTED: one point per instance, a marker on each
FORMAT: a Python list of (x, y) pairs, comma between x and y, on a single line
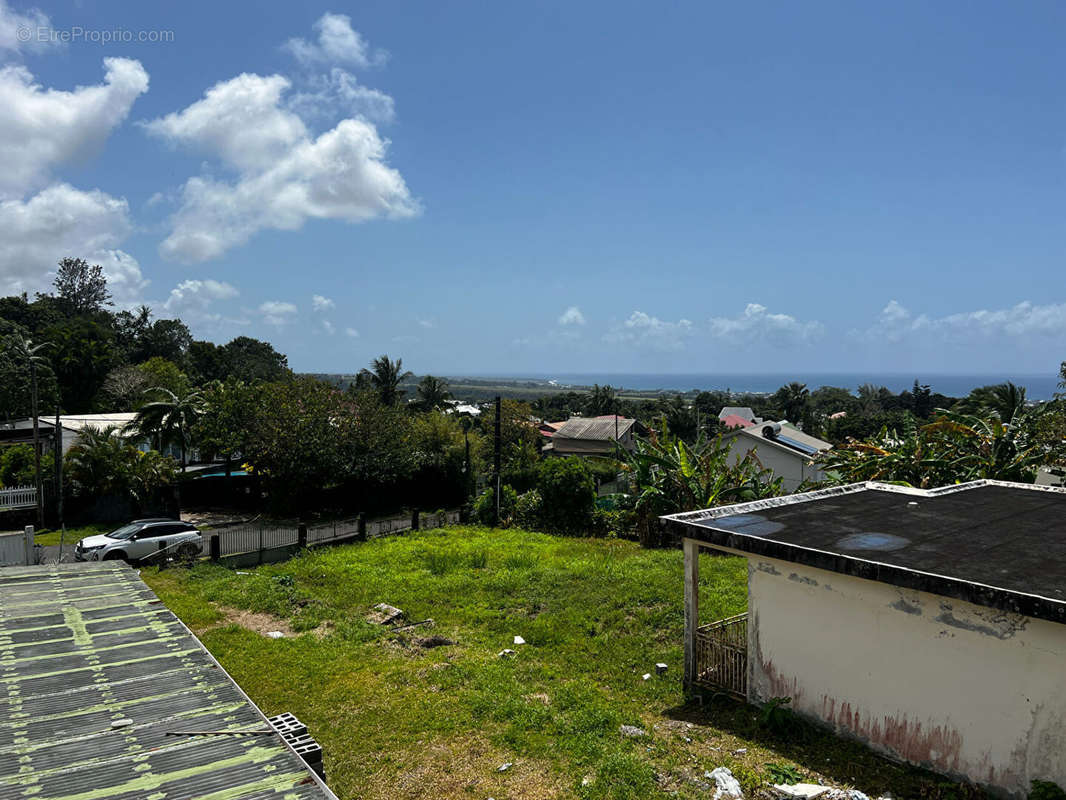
[(568, 495), (484, 506), (611, 523), (528, 510), (1046, 790), (17, 466)]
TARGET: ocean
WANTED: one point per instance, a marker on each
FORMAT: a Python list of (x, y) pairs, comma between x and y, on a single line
[(1038, 387)]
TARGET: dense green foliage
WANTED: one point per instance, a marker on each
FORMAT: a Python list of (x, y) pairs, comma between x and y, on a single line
[(567, 495), (17, 465), (103, 463), (669, 476), (92, 350), (954, 448)]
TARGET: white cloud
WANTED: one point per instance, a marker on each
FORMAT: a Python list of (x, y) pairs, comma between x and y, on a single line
[(340, 92), (572, 316), (896, 323), (320, 303), (276, 312), (240, 120), (427, 323), (63, 221), (351, 333), (757, 324), (26, 31), (41, 128), (192, 301), (284, 176), (644, 330), (336, 43), (328, 327)]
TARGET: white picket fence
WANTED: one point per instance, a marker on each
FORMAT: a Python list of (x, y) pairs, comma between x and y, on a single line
[(18, 497)]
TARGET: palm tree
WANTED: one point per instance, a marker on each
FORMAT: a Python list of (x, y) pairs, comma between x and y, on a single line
[(96, 461), (385, 376), (1003, 400), (432, 393), (30, 353), (170, 420), (793, 399), (603, 400)]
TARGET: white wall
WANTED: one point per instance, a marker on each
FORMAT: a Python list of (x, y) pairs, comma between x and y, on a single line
[(965, 689), (791, 467)]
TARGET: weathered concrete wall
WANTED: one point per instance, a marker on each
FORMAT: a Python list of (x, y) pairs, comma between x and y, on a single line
[(964, 689)]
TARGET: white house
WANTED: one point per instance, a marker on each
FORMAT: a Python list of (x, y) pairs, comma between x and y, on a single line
[(928, 624), (779, 447)]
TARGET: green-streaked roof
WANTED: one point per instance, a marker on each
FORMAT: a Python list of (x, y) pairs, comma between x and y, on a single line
[(85, 645)]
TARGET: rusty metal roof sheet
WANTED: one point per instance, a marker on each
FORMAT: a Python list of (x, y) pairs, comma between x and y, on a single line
[(95, 670)]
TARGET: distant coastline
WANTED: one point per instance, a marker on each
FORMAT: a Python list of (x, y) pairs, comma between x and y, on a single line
[(1038, 387)]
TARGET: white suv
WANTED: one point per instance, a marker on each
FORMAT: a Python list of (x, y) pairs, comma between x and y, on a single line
[(142, 538)]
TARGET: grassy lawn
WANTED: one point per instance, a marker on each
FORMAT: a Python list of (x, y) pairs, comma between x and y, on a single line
[(399, 719), (49, 537)]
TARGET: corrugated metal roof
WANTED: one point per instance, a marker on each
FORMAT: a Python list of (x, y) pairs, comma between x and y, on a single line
[(83, 646), (598, 428), (733, 421)]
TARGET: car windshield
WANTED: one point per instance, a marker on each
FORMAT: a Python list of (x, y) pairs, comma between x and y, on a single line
[(125, 532)]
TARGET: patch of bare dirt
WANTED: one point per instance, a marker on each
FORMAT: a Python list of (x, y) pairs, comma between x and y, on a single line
[(463, 769), (262, 623)]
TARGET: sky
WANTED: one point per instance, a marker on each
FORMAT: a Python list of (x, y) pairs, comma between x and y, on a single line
[(504, 188)]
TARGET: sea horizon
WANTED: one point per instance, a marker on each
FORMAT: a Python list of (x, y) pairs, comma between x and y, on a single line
[(1038, 386)]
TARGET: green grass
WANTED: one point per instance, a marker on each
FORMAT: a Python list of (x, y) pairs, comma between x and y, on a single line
[(49, 537), (398, 720)]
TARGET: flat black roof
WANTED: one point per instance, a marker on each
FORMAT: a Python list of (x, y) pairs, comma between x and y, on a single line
[(94, 671), (996, 544)]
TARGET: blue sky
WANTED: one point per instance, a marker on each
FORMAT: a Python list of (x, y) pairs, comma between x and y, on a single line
[(555, 188)]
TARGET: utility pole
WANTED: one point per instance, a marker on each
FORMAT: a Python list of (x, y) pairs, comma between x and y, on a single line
[(496, 459), (37, 448), (57, 434)]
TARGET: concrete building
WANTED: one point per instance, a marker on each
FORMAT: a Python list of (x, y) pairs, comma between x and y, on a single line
[(780, 447), (929, 624)]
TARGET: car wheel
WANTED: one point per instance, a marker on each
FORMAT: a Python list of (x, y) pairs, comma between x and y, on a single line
[(188, 551), (113, 555)]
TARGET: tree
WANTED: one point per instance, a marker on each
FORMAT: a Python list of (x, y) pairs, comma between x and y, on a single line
[(83, 355), (225, 426), (103, 463), (520, 443), (170, 420), (385, 377), (206, 363), (247, 359), (160, 373), (568, 494), (1005, 401), (432, 393), (16, 384), (792, 399), (954, 448), (602, 400), (124, 388), (30, 354), (670, 476), (82, 289)]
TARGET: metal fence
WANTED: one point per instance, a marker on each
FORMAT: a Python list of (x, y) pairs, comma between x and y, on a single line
[(722, 655), (259, 538), (18, 497)]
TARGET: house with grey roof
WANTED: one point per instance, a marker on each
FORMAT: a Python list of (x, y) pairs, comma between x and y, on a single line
[(743, 412), (593, 436), (780, 447)]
